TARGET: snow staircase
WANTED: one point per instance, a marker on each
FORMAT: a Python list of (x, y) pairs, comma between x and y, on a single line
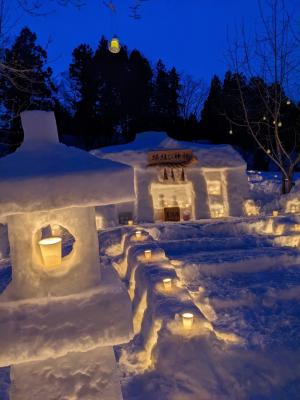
[(199, 249)]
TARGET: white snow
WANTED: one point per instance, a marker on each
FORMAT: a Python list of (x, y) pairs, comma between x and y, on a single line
[(53, 326), (92, 375), (209, 156), (240, 278), (243, 288), (212, 162), (45, 174)]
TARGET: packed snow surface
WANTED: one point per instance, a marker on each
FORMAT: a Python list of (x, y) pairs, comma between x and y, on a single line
[(240, 278), (44, 174), (243, 287), (209, 156), (54, 326)]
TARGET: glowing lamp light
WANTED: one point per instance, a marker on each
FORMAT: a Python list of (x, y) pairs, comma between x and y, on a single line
[(167, 283), (288, 102), (148, 254), (187, 320), (130, 222), (51, 251), (230, 132), (114, 45), (138, 235), (269, 151), (296, 228), (275, 213)]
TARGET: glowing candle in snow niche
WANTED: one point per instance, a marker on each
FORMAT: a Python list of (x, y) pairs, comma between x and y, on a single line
[(297, 228), (275, 213), (167, 283), (187, 320), (138, 235), (130, 222), (51, 251), (148, 254)]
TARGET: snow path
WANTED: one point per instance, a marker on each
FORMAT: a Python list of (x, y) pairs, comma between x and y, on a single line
[(247, 287)]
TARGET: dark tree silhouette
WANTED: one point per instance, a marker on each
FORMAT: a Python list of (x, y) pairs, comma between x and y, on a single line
[(29, 85)]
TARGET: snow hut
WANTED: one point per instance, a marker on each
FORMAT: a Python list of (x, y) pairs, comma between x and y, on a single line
[(59, 303), (178, 181)]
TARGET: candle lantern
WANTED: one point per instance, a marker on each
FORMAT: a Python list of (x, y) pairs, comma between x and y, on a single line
[(148, 254), (51, 251), (167, 283), (138, 235), (130, 222), (275, 213), (53, 185), (114, 45), (187, 320)]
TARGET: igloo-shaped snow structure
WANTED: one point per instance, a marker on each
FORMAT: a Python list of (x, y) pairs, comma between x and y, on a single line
[(213, 184), (53, 308)]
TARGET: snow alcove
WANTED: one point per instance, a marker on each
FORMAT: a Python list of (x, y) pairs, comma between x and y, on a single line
[(60, 299), (178, 181)]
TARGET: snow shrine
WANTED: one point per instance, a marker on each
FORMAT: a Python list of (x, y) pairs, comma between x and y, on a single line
[(59, 316), (177, 181)]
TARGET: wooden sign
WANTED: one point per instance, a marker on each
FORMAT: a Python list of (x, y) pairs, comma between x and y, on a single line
[(172, 214), (170, 157)]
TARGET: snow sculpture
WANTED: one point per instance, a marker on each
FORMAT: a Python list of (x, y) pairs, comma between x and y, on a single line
[(213, 184), (60, 307)]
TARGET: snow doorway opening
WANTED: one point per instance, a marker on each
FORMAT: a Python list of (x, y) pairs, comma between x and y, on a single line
[(173, 202), (216, 183)]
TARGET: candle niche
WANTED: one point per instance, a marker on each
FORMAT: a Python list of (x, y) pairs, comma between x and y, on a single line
[(187, 320), (167, 282), (173, 202), (148, 254), (55, 244)]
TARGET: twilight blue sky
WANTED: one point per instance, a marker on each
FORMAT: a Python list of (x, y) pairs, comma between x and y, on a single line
[(190, 34)]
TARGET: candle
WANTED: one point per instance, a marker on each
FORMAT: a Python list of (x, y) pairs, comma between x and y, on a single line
[(187, 320), (51, 251), (138, 235), (167, 283), (297, 228), (147, 254), (130, 222), (275, 213)]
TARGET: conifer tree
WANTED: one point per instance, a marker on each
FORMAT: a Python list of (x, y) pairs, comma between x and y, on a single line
[(30, 85)]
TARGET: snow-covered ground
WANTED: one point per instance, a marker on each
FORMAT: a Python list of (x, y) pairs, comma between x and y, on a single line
[(240, 278)]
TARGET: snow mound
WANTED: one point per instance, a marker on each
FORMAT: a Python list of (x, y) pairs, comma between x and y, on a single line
[(215, 156), (44, 174)]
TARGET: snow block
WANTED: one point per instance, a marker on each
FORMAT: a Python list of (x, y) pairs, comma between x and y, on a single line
[(37, 329), (45, 175), (91, 375)]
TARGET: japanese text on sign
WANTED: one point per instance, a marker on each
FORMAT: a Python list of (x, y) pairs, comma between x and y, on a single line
[(170, 157)]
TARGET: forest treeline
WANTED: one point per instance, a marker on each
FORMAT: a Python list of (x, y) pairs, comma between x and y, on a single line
[(105, 99)]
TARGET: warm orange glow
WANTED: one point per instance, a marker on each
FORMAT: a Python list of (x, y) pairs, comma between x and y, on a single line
[(138, 235), (148, 254), (187, 320), (51, 251), (130, 222), (114, 45), (167, 283)]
